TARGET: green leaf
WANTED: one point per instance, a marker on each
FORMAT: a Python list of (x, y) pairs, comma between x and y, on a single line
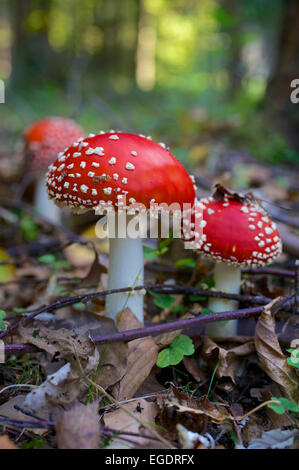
[(284, 404), (169, 357), (30, 230), (165, 243), (162, 301), (49, 258), (206, 311), (18, 310), (2, 316), (56, 264), (34, 444), (207, 281), (195, 298), (289, 405), (293, 360), (279, 409), (185, 263), (178, 309), (150, 253), (184, 343), (180, 347)]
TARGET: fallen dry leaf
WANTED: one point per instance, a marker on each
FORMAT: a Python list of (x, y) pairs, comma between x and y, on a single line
[(60, 388), (230, 359), (177, 407), (275, 439), (6, 443), (142, 356), (192, 366), (67, 337), (79, 428), (272, 359), (105, 364), (252, 429), (8, 410), (122, 421)]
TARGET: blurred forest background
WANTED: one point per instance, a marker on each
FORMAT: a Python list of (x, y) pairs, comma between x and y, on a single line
[(197, 73)]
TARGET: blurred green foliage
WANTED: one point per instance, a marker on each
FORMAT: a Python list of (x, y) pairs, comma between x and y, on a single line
[(168, 68)]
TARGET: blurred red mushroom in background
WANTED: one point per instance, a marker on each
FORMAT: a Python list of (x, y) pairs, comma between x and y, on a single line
[(44, 140)]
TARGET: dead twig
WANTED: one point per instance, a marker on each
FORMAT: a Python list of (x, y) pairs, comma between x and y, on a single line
[(159, 288)]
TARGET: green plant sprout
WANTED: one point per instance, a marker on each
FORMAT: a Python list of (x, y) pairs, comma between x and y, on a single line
[(181, 346), (283, 406), (293, 360), (153, 253), (2, 323)]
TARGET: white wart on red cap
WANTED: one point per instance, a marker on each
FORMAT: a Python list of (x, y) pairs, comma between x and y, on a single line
[(102, 169), (238, 231)]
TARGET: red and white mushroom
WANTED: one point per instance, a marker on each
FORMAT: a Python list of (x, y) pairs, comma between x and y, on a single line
[(119, 170), (44, 139), (236, 232)]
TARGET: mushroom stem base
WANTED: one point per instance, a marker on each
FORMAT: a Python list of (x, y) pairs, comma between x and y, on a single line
[(43, 205), (125, 269), (227, 279)]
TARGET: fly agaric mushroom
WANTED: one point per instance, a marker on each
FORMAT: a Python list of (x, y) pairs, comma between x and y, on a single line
[(237, 232), (101, 171), (44, 139)]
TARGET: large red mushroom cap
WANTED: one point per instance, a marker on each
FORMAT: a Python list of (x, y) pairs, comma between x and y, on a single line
[(236, 230), (103, 169), (44, 139)]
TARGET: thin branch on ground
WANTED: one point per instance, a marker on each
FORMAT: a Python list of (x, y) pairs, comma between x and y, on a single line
[(184, 325), (159, 288)]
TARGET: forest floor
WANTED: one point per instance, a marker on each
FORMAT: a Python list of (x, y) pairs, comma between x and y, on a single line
[(61, 389)]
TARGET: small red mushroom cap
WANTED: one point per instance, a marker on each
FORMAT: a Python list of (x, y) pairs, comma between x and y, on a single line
[(44, 139), (103, 169), (237, 232)]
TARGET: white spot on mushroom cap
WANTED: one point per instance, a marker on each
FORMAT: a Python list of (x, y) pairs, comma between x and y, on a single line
[(130, 166), (107, 190), (84, 188)]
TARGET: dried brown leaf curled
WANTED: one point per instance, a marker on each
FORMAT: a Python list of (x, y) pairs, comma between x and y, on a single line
[(177, 407), (142, 356), (122, 421), (230, 359), (106, 364), (272, 359)]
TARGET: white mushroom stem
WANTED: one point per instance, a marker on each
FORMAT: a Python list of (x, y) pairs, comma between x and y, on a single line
[(227, 279), (125, 269), (43, 205)]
